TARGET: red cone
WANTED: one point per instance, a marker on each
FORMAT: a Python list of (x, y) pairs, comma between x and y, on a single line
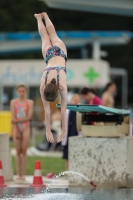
[(2, 184), (37, 180)]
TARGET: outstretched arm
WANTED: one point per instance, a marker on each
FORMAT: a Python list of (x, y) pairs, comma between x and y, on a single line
[(63, 94), (46, 106), (47, 112)]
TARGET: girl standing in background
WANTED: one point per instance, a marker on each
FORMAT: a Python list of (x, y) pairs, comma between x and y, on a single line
[(21, 110)]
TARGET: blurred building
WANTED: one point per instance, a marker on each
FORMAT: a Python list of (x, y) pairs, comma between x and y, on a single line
[(80, 73), (93, 72)]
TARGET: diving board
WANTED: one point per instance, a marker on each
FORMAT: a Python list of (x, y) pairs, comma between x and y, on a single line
[(95, 108), (101, 121)]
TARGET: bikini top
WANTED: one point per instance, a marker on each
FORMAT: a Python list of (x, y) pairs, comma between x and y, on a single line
[(54, 51), (57, 70)]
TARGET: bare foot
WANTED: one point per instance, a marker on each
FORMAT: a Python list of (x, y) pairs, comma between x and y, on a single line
[(49, 136), (18, 178), (23, 178), (38, 16), (44, 15), (61, 137)]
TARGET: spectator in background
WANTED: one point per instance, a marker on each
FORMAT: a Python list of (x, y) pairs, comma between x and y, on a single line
[(108, 95), (71, 127), (88, 94), (22, 110)]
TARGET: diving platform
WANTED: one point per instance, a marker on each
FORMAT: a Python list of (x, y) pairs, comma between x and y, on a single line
[(101, 121), (103, 152)]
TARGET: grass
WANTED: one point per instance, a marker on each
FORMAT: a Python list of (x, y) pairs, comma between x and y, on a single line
[(48, 164)]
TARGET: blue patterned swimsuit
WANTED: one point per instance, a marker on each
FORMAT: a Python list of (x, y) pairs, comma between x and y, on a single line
[(52, 52)]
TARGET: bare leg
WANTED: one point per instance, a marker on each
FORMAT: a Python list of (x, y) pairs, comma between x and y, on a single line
[(52, 33), (25, 143), (46, 43), (17, 142)]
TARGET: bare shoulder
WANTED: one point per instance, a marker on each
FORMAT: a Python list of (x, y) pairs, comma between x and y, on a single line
[(31, 102), (63, 94), (63, 84), (105, 95), (63, 88), (12, 102)]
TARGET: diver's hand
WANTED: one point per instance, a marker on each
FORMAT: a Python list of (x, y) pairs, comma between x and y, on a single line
[(49, 136), (61, 137)]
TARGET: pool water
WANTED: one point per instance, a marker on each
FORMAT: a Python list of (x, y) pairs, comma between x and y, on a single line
[(65, 194)]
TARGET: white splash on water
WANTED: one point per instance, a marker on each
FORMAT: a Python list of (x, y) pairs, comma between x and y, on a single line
[(63, 174), (50, 196)]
